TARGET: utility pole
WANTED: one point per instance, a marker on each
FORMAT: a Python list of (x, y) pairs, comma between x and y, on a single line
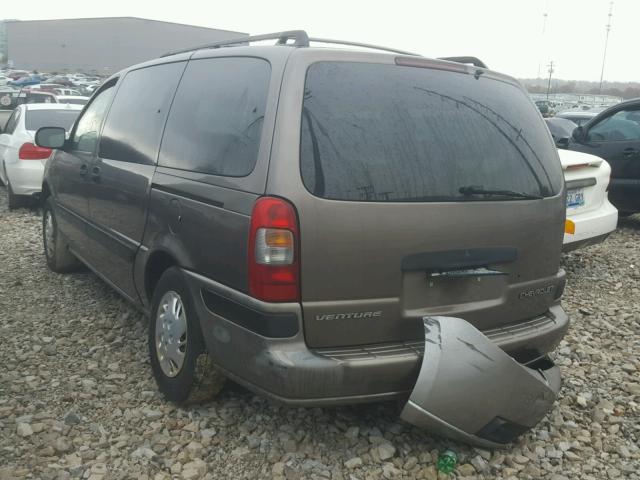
[(606, 42), (545, 15), (550, 73)]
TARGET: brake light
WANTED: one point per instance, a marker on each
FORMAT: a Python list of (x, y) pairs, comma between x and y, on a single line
[(29, 151), (433, 64), (273, 251)]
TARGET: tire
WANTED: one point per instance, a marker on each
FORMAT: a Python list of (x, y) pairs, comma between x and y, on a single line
[(15, 201), (56, 249), (181, 365)]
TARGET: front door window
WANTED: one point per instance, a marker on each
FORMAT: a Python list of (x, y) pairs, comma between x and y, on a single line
[(622, 126)]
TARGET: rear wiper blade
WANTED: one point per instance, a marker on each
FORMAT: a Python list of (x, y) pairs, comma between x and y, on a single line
[(478, 190)]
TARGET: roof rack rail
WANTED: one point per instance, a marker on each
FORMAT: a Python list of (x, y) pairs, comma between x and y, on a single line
[(364, 45), (476, 62), (299, 37)]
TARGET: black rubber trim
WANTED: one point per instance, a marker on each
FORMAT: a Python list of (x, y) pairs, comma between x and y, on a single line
[(459, 259), (581, 183), (272, 325), (187, 195), (502, 431)]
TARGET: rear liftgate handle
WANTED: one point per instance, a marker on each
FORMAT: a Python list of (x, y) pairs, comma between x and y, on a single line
[(470, 390)]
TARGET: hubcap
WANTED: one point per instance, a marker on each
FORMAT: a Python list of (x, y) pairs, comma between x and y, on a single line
[(171, 333), (49, 234)]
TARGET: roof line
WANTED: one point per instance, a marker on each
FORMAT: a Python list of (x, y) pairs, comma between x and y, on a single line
[(127, 18)]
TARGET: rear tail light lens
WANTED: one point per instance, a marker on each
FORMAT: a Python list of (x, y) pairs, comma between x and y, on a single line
[(29, 151), (273, 251), (274, 246)]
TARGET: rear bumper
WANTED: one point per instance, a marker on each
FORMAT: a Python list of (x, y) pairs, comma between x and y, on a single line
[(284, 368), (25, 176), (591, 227)]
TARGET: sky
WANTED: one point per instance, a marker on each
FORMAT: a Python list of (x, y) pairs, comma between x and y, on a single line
[(506, 34)]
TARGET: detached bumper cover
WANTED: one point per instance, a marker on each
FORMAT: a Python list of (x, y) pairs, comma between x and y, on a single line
[(470, 390)]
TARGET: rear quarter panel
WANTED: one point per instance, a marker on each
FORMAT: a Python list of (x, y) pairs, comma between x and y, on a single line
[(203, 227)]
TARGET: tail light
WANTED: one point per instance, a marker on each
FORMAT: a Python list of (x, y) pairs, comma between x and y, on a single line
[(273, 251), (29, 151)]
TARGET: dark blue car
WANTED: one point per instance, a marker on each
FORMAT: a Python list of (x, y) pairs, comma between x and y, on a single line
[(26, 81)]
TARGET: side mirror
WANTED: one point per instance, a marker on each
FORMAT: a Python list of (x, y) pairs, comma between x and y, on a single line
[(562, 143), (51, 137), (578, 134)]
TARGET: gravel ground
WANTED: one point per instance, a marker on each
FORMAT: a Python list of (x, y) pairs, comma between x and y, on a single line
[(77, 398)]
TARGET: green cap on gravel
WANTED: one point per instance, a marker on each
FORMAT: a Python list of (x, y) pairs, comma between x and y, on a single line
[(447, 461)]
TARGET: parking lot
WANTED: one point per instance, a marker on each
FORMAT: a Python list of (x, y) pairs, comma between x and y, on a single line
[(78, 400)]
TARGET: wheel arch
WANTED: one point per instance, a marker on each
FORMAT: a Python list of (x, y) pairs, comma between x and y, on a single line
[(46, 192), (157, 263)]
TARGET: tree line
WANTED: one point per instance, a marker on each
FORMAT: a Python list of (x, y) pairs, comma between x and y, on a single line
[(625, 90)]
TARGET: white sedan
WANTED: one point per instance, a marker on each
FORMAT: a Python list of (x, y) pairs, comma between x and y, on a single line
[(21, 161), (590, 216)]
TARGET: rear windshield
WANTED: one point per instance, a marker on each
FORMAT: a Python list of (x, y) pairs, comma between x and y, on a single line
[(374, 132), (36, 119), (74, 101)]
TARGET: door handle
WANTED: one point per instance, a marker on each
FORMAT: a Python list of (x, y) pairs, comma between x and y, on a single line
[(95, 174), (84, 170), (630, 152)]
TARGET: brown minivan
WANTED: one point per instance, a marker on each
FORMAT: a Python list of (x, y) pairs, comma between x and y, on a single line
[(325, 226)]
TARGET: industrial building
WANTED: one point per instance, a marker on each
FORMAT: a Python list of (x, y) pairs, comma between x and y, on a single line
[(95, 45)]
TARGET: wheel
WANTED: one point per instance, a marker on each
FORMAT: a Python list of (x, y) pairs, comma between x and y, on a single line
[(15, 201), (181, 365), (56, 251)]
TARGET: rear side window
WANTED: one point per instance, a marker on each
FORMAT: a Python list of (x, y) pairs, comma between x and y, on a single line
[(216, 119), (134, 123), (36, 119), (374, 132)]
